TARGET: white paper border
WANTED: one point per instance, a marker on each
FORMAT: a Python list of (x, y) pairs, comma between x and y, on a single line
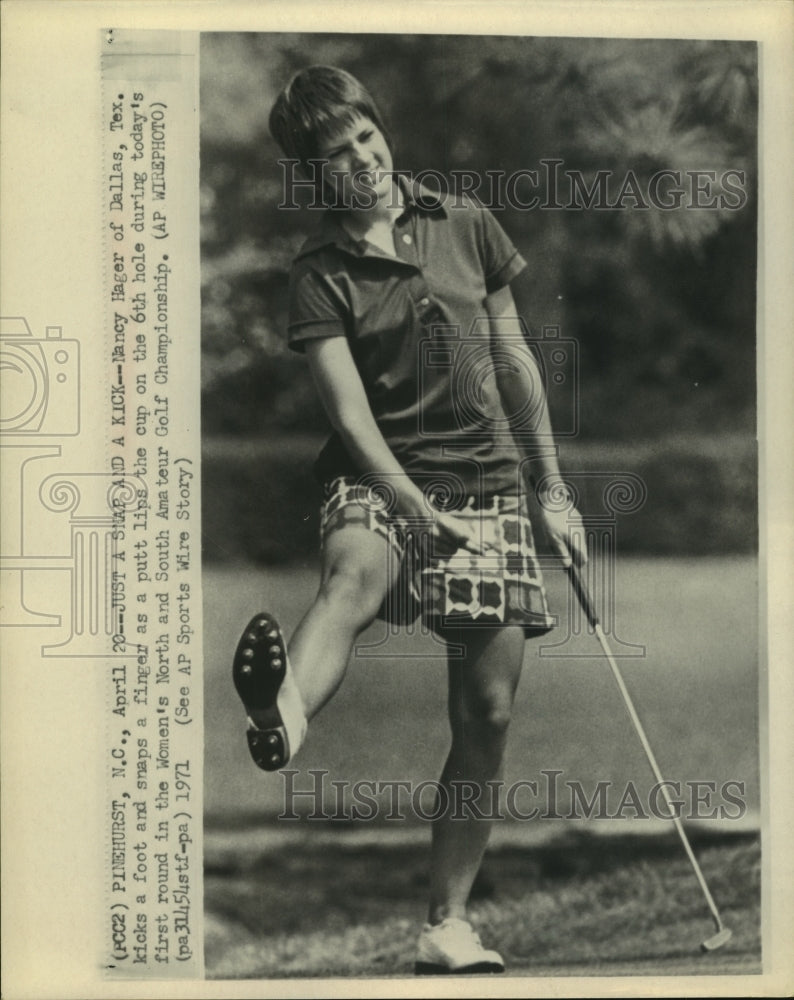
[(51, 219)]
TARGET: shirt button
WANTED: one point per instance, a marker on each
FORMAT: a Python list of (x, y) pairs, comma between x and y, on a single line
[(407, 238), (424, 302)]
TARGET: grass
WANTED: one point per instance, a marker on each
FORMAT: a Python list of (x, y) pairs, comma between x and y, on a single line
[(310, 900), (696, 689), (585, 904)]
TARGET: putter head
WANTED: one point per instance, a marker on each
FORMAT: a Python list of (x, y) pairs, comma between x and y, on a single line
[(716, 940)]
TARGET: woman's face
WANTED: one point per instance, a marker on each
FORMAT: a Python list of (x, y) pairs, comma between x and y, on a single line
[(358, 167)]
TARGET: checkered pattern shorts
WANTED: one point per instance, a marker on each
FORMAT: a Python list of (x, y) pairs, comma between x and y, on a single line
[(447, 587)]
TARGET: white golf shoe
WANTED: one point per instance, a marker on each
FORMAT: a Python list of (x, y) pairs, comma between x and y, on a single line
[(453, 947)]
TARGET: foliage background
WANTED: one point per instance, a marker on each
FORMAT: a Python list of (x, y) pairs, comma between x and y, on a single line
[(661, 304)]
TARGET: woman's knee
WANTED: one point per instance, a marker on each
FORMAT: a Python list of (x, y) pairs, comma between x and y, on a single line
[(355, 590), (485, 714), (483, 687)]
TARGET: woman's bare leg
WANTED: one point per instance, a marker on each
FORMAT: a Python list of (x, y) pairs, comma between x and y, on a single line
[(358, 569), (482, 688)]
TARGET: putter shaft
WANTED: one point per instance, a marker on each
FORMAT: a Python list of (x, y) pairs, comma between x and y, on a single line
[(583, 594)]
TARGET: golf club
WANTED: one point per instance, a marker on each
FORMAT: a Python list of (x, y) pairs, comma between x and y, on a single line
[(579, 586)]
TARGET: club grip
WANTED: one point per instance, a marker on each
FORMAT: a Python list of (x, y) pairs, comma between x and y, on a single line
[(582, 593)]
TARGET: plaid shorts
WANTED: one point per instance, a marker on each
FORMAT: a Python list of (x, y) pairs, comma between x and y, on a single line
[(451, 586)]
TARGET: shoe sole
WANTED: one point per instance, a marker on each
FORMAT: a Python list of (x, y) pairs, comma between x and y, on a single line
[(431, 969), (258, 671)]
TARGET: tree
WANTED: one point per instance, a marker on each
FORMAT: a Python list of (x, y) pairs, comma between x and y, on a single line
[(658, 300)]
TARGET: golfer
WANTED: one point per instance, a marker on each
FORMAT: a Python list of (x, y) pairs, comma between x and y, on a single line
[(401, 303)]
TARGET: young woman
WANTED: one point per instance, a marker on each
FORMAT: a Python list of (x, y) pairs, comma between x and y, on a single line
[(401, 303)]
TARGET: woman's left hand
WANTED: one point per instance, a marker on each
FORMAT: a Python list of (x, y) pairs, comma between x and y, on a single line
[(564, 528)]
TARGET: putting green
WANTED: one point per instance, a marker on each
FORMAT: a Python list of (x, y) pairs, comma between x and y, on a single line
[(686, 635)]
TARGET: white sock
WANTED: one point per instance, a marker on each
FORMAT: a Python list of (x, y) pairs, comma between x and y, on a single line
[(290, 705), (293, 715)]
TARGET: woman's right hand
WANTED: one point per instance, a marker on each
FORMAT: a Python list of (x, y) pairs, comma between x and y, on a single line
[(447, 530)]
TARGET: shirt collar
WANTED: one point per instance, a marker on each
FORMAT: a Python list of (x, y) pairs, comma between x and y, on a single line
[(418, 196), (331, 232)]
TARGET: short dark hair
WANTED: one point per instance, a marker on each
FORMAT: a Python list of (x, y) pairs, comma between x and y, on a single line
[(316, 103)]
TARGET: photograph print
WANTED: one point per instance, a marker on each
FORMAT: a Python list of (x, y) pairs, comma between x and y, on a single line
[(480, 506)]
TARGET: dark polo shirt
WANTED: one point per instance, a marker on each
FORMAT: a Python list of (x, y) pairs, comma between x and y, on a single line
[(418, 333)]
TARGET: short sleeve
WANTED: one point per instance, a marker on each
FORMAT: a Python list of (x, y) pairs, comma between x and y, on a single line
[(314, 311), (500, 259)]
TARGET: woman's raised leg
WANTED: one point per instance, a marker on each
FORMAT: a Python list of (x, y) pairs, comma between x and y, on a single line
[(282, 686), (358, 569)]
